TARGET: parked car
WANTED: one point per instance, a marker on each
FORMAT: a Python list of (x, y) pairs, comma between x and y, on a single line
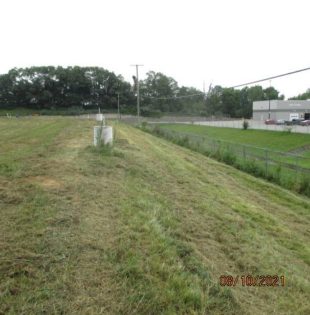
[(280, 122), (293, 122), (270, 122), (305, 123)]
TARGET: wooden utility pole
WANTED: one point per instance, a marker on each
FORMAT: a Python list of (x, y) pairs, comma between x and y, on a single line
[(138, 90)]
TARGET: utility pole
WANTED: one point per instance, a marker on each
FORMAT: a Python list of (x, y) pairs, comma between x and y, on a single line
[(269, 99), (138, 91)]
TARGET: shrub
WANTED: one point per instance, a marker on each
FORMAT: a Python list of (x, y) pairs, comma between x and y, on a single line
[(144, 125), (253, 168), (245, 125), (149, 112), (304, 186), (184, 141), (229, 158)]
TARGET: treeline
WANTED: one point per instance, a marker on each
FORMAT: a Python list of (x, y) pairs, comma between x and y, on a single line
[(51, 88), (303, 96), (84, 88), (58, 87), (162, 94), (237, 103)]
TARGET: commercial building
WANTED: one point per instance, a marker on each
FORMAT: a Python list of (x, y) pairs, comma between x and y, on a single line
[(278, 109)]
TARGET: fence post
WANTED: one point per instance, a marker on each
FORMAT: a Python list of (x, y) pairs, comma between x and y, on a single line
[(296, 167)]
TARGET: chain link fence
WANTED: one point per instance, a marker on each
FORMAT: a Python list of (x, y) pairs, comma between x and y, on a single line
[(287, 169)]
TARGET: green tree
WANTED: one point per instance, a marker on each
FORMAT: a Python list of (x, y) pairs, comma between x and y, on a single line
[(158, 92), (271, 93), (214, 104), (303, 96), (50, 87)]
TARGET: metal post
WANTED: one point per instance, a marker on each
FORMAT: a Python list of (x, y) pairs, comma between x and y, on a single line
[(296, 167)]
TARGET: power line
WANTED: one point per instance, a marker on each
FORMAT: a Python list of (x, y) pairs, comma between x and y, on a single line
[(232, 87), (270, 78)]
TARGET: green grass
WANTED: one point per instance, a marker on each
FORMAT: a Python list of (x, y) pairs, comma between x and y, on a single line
[(145, 227), (273, 140), (289, 171), (256, 141)]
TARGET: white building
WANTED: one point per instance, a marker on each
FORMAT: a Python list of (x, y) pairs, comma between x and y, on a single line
[(279, 109)]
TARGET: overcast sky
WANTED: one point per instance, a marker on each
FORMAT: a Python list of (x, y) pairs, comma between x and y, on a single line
[(220, 41)]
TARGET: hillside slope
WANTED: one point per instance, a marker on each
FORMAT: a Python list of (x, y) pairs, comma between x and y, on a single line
[(146, 228), (273, 140)]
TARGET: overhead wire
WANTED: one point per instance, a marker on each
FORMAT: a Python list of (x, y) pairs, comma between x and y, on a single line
[(270, 78), (232, 87)]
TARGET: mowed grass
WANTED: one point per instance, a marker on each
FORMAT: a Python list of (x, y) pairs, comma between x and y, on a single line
[(273, 140), (147, 227)]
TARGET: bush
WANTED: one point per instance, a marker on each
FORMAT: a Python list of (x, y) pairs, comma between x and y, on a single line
[(184, 141), (304, 186), (229, 158), (148, 112), (245, 125), (144, 125)]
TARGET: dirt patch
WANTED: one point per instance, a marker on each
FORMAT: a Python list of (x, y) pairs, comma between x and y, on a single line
[(75, 145), (45, 182)]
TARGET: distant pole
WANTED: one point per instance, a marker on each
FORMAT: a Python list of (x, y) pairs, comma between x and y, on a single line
[(138, 90), (119, 113), (269, 99)]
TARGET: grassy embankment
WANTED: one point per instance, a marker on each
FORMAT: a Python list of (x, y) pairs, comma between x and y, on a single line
[(145, 228), (272, 140), (254, 151)]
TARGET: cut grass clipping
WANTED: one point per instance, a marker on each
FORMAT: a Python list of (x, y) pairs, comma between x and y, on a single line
[(146, 228)]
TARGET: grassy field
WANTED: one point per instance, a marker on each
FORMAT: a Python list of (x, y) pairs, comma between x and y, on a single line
[(273, 140), (147, 227)]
